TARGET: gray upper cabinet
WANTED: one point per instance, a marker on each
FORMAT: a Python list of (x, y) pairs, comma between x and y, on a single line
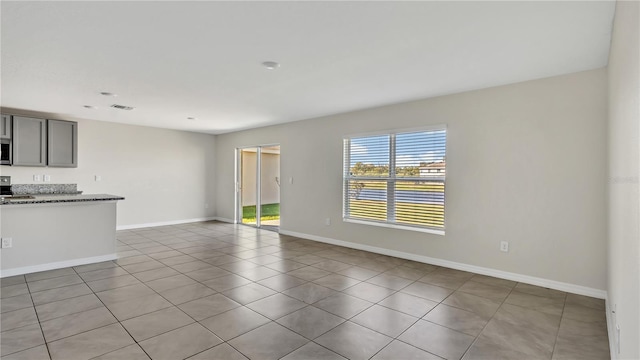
[(62, 143), (5, 127), (29, 141)]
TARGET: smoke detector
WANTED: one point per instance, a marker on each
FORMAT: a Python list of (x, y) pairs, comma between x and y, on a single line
[(271, 65)]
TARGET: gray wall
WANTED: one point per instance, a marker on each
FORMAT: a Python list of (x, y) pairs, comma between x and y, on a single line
[(624, 171), (45, 234), (526, 163), (165, 175)]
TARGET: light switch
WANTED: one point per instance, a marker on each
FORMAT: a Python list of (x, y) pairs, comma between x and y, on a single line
[(47, 177), (98, 178), (290, 180), (37, 178)]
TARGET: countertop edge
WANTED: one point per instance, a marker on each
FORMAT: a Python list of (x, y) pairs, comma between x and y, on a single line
[(45, 199)]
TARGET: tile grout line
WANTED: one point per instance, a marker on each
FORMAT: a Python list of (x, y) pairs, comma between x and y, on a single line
[(488, 321), (196, 321), (339, 291), (441, 302), (99, 299), (133, 274), (203, 240), (555, 342), (397, 338), (281, 292), (346, 320), (369, 307), (37, 318), (120, 322), (109, 310), (46, 344), (172, 305)]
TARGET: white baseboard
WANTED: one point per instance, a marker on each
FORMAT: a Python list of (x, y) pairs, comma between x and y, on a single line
[(611, 329), (551, 284), (164, 223), (230, 221), (56, 265)]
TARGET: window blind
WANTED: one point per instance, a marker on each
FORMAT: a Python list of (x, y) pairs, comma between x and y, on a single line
[(396, 179)]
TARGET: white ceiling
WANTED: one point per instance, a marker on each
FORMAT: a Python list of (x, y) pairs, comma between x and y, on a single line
[(173, 60)]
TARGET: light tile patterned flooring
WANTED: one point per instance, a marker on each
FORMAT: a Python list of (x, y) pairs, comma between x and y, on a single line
[(220, 291)]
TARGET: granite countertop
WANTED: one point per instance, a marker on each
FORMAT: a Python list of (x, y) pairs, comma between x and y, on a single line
[(44, 189), (60, 198)]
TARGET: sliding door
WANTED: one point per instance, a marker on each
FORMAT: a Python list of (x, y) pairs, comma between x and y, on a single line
[(258, 186), (248, 186)]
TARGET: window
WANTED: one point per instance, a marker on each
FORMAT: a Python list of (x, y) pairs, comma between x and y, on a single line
[(396, 179)]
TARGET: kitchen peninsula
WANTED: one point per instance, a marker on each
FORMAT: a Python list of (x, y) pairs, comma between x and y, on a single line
[(50, 231)]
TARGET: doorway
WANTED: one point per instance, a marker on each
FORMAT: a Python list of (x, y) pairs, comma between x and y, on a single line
[(258, 187)]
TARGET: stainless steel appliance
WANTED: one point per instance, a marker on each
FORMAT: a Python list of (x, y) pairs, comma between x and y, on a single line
[(5, 152), (5, 185)]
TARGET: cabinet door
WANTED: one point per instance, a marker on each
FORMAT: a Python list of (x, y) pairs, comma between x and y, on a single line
[(5, 127), (62, 143), (29, 141)]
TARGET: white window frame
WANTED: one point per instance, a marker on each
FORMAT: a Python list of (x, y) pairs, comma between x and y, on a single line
[(391, 180)]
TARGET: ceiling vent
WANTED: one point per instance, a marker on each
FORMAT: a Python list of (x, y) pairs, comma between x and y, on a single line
[(122, 107)]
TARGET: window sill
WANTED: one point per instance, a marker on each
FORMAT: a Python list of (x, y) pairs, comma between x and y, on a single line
[(395, 226)]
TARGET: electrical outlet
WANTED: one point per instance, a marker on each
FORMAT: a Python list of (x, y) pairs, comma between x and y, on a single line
[(7, 243), (37, 178), (47, 177), (504, 246), (327, 221), (618, 338)]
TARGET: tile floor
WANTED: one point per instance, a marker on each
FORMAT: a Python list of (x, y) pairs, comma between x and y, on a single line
[(219, 291)]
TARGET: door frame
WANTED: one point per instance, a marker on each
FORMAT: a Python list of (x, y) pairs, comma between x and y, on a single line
[(238, 183)]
